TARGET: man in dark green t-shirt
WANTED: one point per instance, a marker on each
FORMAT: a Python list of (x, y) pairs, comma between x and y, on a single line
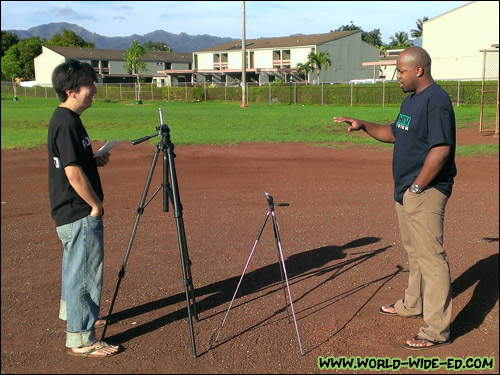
[(424, 137)]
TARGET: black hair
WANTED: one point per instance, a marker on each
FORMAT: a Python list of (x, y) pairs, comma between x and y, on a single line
[(72, 75)]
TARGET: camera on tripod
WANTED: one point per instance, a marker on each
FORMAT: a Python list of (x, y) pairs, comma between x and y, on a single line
[(163, 127), (170, 189)]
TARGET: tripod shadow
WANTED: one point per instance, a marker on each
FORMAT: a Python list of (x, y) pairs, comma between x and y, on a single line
[(384, 280), (335, 270), (484, 298), (305, 265)]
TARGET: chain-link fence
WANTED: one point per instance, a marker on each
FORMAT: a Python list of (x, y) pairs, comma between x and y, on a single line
[(489, 93), (376, 94)]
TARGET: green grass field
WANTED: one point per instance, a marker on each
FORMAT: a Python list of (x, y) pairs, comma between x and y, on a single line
[(24, 123)]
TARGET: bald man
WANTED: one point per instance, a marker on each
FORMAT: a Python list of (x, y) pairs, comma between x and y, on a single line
[(423, 166)]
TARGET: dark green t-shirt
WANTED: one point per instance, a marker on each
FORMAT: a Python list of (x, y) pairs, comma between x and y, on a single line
[(425, 120)]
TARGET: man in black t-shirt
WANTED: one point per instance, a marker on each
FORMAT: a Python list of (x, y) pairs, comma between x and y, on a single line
[(76, 198), (424, 137)]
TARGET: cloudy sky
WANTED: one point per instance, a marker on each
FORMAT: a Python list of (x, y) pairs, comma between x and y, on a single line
[(224, 19)]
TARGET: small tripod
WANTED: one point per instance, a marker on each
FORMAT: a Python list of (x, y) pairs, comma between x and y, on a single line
[(281, 261), (172, 192)]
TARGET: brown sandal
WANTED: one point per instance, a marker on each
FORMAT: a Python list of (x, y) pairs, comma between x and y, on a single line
[(90, 352)]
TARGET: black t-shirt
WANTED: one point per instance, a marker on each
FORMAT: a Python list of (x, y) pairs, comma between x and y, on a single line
[(68, 142), (425, 120)]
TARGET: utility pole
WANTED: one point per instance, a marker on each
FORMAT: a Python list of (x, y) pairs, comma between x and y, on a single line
[(244, 103)]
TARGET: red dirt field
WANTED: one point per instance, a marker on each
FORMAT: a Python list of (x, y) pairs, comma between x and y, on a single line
[(340, 240)]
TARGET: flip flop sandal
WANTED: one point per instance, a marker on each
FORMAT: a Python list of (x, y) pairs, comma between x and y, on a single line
[(100, 323), (88, 353), (434, 344), (383, 312)]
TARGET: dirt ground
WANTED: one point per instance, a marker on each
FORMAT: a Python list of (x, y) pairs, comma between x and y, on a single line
[(340, 240)]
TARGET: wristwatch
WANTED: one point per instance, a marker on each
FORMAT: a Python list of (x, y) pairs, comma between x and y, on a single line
[(415, 189)]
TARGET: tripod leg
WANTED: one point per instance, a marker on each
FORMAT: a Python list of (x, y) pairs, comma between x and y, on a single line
[(287, 285), (140, 211), (276, 236), (165, 183), (244, 270), (186, 263)]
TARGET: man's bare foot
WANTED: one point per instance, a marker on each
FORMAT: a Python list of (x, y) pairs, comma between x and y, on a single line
[(391, 311), (99, 349), (419, 343), (100, 323), (388, 310)]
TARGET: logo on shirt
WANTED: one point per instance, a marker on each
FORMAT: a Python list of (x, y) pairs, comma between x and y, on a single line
[(57, 162), (403, 122), (86, 142)]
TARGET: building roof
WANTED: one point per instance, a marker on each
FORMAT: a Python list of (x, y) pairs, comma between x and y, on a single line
[(118, 54), (282, 42)]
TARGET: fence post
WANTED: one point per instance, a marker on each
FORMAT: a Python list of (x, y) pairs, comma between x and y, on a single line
[(294, 93), (121, 93), (322, 87), (225, 91), (269, 92), (185, 92), (458, 93), (383, 93), (352, 84), (205, 90)]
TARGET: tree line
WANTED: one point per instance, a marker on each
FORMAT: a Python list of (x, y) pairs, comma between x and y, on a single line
[(18, 55)]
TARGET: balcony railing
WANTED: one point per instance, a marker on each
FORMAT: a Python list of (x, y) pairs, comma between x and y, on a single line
[(220, 65), (281, 63)]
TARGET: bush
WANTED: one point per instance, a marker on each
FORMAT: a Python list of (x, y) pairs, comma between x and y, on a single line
[(462, 92)]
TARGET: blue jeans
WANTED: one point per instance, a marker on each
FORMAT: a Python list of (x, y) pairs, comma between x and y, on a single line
[(82, 273)]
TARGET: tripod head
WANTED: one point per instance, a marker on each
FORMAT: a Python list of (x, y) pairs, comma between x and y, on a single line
[(163, 131), (270, 201)]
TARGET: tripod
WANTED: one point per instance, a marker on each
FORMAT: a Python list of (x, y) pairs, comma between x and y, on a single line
[(172, 192), (281, 262)]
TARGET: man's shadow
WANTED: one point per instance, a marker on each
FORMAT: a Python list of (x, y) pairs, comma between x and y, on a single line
[(264, 280), (484, 298)]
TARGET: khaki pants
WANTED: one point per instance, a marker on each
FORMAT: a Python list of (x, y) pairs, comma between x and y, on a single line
[(421, 218)]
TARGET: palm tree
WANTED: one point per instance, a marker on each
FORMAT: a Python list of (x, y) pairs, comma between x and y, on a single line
[(400, 40), (383, 51), (319, 60), (417, 33), (306, 68)]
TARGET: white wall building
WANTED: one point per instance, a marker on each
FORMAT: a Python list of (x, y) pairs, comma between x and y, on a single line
[(268, 59), (454, 40), (109, 64)]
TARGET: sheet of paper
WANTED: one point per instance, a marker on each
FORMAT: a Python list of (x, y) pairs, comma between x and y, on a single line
[(108, 146)]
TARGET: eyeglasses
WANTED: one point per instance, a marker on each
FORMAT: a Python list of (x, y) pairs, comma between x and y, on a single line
[(74, 65)]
